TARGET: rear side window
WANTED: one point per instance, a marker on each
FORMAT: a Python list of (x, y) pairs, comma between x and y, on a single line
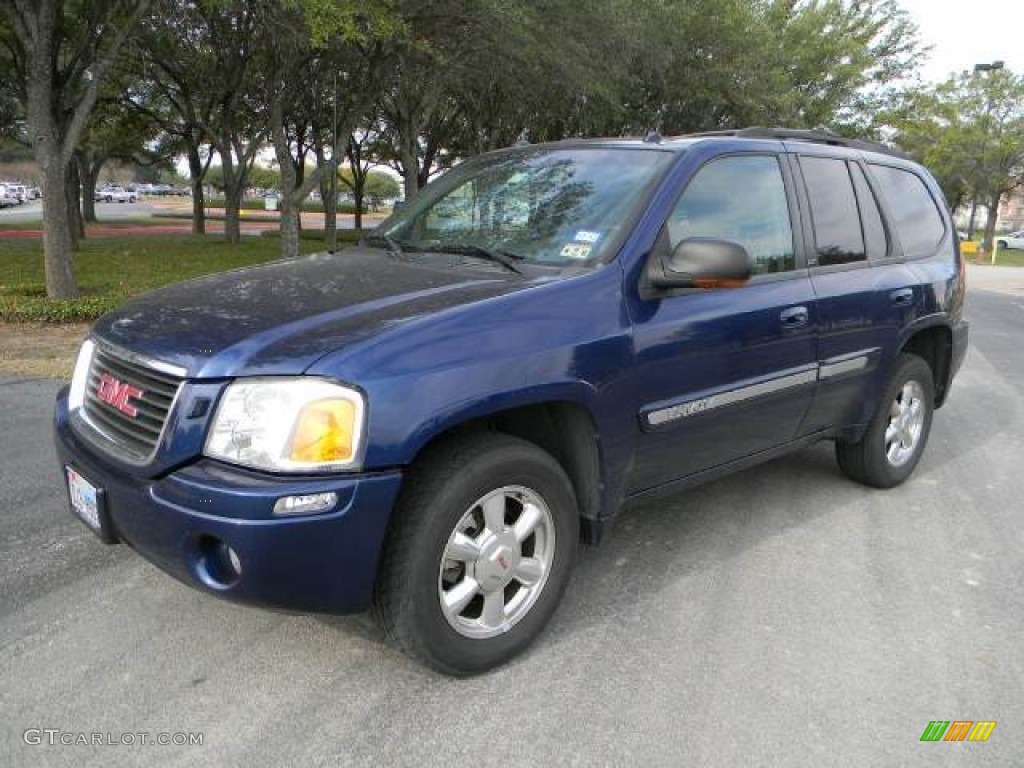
[(741, 198), (915, 214), (837, 232)]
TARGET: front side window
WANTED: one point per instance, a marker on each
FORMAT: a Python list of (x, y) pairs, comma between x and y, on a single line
[(740, 198), (558, 207)]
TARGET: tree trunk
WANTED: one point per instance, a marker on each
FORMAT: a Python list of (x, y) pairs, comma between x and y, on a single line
[(409, 157), (196, 171), (49, 151), (990, 222), (60, 279), (88, 194), (232, 219), (232, 196), (290, 207), (970, 221), (329, 196), (358, 196), (410, 174), (74, 204)]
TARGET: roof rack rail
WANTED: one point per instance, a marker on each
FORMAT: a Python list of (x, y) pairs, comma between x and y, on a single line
[(816, 135)]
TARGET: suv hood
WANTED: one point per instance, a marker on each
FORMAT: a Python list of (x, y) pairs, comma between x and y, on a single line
[(279, 318)]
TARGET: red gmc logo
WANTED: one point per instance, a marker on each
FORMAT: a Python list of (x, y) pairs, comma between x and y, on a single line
[(118, 394)]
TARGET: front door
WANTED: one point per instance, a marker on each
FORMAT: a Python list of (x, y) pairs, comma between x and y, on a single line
[(729, 372)]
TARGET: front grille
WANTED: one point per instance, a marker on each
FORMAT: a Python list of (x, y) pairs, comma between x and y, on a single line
[(135, 436)]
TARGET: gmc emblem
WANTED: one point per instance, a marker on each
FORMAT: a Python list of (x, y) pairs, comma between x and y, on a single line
[(118, 394)]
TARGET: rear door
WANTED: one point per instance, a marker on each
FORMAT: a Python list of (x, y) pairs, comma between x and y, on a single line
[(865, 292), (726, 373)]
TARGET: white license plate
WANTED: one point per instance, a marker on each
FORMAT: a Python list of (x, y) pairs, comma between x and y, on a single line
[(84, 499)]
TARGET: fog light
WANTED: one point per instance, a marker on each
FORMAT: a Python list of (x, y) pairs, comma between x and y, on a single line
[(217, 564), (304, 505)]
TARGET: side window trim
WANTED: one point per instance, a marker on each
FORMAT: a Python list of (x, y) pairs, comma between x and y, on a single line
[(888, 230), (807, 257)]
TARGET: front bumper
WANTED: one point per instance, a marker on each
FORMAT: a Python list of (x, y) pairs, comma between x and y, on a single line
[(323, 563)]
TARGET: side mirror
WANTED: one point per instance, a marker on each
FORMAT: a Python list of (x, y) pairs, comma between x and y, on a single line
[(702, 262)]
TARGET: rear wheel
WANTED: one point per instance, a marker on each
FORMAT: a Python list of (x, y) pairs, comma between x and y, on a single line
[(1002, 244), (889, 451), (479, 553)]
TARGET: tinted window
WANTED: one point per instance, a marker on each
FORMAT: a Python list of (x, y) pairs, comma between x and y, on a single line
[(741, 199), (837, 231), (916, 217), (874, 230)]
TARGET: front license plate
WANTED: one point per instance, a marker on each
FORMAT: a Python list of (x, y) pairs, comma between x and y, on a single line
[(86, 502)]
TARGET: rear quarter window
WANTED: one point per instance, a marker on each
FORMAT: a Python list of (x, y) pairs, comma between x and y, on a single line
[(914, 211)]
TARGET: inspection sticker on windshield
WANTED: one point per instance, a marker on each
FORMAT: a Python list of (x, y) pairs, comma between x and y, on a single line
[(586, 236), (577, 251)]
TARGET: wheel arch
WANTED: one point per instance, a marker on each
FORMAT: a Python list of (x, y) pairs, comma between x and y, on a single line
[(934, 343), (563, 428)]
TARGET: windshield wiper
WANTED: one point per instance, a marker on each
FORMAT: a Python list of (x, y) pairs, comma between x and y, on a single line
[(507, 259)]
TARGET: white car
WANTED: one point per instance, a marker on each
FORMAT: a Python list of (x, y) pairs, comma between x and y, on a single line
[(8, 197), (1013, 240), (115, 195)]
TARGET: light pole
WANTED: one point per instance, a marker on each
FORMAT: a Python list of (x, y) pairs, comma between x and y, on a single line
[(986, 239)]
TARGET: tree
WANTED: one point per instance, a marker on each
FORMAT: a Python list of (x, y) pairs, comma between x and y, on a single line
[(65, 50), (112, 133), (969, 131), (380, 187), (179, 89), (310, 38)]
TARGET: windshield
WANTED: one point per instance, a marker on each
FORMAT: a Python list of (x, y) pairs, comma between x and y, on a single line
[(558, 207)]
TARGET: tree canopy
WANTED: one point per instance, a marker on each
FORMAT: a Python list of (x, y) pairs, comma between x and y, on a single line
[(418, 84)]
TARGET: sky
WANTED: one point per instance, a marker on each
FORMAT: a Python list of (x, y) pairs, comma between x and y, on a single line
[(963, 33)]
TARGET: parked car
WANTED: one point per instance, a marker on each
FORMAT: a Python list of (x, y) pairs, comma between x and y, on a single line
[(115, 195), (7, 196), (33, 193), (16, 192), (431, 421), (1013, 240)]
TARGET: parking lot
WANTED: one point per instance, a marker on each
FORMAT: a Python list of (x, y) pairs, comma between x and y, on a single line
[(783, 616)]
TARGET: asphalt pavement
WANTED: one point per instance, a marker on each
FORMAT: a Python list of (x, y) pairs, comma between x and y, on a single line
[(781, 617)]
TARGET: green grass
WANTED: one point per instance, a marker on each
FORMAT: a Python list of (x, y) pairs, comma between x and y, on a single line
[(1010, 258), (110, 270), (125, 223)]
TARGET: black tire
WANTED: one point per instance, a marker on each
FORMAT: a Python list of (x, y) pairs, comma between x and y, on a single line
[(442, 487), (1001, 244), (868, 461)]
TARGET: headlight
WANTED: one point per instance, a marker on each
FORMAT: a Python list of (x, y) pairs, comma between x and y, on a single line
[(76, 396), (288, 425)]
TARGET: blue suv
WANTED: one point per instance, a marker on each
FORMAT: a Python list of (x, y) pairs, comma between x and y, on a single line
[(430, 422)]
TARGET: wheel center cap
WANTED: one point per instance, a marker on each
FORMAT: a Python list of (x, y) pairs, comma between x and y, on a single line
[(498, 560)]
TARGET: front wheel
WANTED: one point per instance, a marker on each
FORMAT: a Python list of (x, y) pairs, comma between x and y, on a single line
[(1002, 244), (479, 553), (895, 439)]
